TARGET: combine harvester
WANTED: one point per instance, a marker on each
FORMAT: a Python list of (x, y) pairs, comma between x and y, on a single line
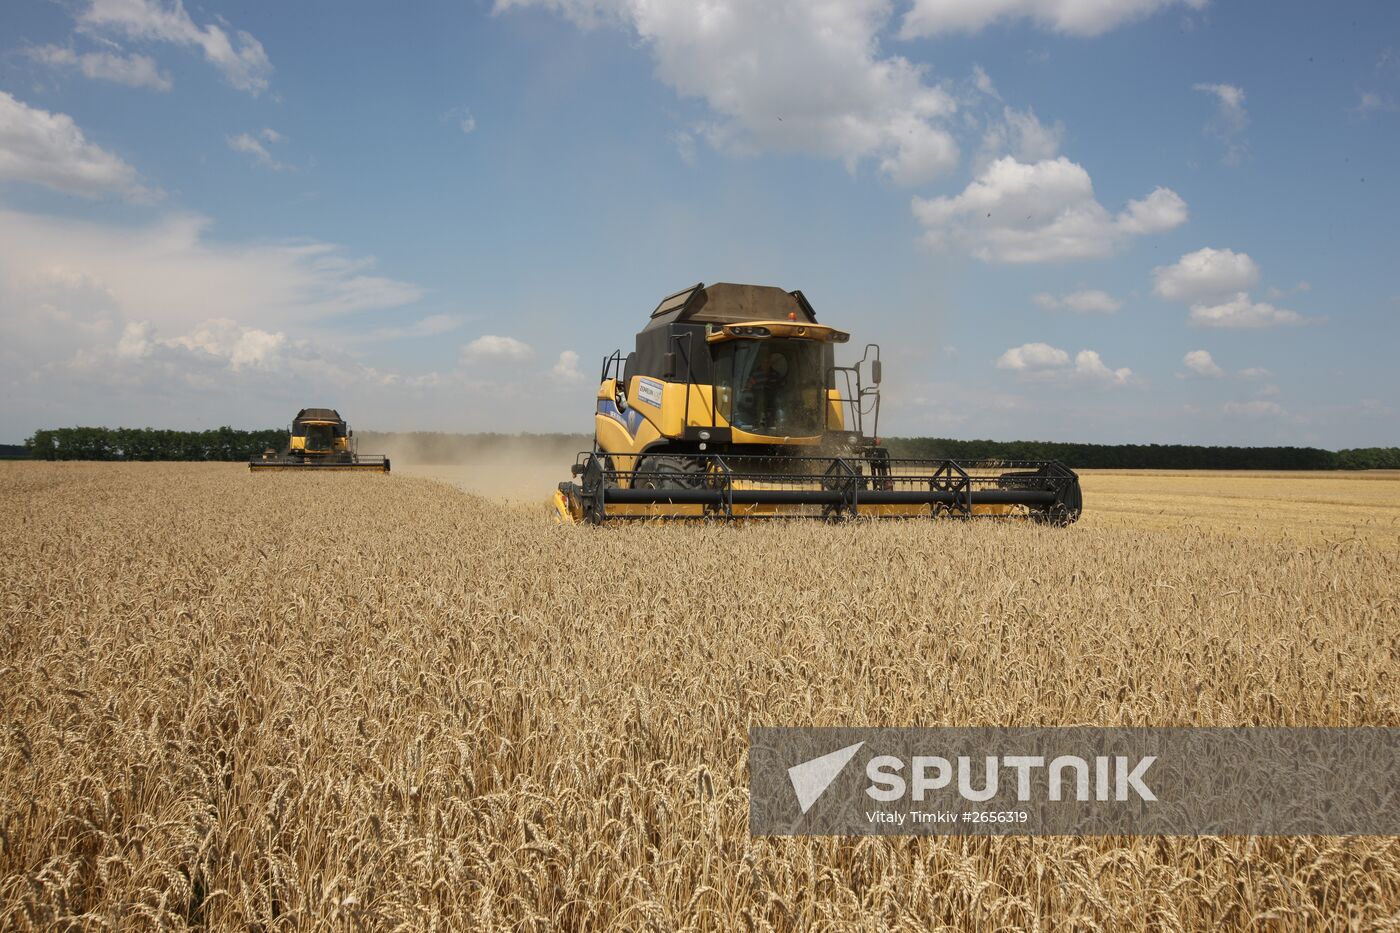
[(320, 440), (733, 407)]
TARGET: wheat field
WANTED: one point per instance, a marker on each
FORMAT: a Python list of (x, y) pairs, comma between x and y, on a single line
[(285, 702)]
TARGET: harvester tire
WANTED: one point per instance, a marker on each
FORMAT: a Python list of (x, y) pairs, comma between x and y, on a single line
[(669, 473)]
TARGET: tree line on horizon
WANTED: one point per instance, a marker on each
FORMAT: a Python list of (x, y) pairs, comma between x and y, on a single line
[(85, 443), (1150, 456), (226, 443)]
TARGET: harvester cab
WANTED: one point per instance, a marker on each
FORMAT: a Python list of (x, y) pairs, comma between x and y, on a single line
[(319, 439), (732, 405)]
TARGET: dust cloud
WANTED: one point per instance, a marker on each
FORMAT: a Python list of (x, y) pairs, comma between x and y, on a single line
[(512, 468)]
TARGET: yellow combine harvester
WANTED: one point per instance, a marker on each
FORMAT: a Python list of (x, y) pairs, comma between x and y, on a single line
[(320, 440), (732, 406)]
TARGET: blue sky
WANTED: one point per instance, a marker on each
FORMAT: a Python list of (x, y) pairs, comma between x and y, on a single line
[(1114, 221)]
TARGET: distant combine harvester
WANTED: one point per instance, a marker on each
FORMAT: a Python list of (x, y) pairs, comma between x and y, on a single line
[(320, 440)]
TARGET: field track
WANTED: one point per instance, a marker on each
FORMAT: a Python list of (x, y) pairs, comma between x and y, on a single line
[(237, 701)]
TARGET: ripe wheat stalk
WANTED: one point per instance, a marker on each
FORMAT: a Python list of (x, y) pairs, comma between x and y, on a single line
[(285, 702)]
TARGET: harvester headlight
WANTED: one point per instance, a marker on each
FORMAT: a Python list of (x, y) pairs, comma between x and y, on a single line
[(704, 435), (839, 336), (750, 331)]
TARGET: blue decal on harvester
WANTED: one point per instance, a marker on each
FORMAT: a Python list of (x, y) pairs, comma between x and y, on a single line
[(631, 419)]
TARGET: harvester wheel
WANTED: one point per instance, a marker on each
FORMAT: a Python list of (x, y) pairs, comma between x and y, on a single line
[(669, 473)]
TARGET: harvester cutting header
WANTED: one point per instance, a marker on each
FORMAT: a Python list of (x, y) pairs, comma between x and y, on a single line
[(319, 439), (732, 405)]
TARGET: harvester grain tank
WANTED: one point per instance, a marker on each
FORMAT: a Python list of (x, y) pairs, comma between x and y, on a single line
[(732, 406), (319, 439)]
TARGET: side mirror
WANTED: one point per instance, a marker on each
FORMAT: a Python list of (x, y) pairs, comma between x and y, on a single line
[(668, 365), (875, 371)]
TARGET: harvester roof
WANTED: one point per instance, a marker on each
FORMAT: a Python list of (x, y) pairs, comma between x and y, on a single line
[(328, 415), (729, 303)]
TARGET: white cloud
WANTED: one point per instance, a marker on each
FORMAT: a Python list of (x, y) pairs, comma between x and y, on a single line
[(983, 82), (216, 356), (48, 149), (1201, 363), (566, 367), (169, 273), (1231, 101), (240, 346), (251, 145), (1033, 356), (162, 323), (1040, 361), (1088, 365), (239, 57), (1273, 293), (243, 142), (1089, 301), (130, 320), (1072, 17), (1204, 275), (1254, 372), (135, 341), (460, 117), (1240, 313), (1042, 212), (490, 347), (1373, 102), (791, 76), (1022, 135), (1231, 119), (1215, 283), (433, 325), (1255, 409), (133, 70)]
